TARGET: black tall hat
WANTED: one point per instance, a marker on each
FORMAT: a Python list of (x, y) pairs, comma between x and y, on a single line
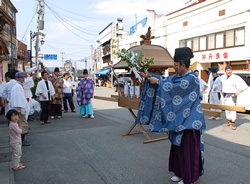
[(183, 54), (85, 71), (56, 69), (214, 70)]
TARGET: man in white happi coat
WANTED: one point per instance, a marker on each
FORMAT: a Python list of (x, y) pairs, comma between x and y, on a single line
[(232, 86), (45, 91), (6, 92), (18, 101), (214, 90)]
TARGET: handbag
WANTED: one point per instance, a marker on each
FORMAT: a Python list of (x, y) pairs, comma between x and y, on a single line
[(24, 124)]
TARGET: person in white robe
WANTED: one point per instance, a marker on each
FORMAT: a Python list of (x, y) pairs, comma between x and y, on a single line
[(27, 85), (35, 109), (45, 91), (232, 86), (203, 84), (6, 92), (214, 90)]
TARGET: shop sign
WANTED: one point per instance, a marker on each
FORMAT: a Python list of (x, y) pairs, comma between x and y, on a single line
[(214, 56)]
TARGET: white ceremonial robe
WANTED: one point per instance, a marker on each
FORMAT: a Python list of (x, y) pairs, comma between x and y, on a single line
[(34, 106), (232, 85), (215, 88), (18, 100), (27, 85), (42, 88), (2, 86), (7, 93)]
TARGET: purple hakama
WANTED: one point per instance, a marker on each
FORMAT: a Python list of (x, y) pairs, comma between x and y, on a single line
[(185, 160)]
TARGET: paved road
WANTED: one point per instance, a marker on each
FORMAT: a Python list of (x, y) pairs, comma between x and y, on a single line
[(85, 151)]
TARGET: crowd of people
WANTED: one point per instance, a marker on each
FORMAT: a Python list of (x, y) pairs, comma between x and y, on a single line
[(173, 105), (223, 90), (21, 105), (176, 108)]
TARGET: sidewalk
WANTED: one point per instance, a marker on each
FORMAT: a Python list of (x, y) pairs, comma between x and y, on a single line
[(104, 91), (6, 173)]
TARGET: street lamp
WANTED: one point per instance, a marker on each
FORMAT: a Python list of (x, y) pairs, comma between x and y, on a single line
[(42, 41)]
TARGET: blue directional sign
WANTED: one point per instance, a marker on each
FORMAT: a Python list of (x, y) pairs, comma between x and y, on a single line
[(50, 56)]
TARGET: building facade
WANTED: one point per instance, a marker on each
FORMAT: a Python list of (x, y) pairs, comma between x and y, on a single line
[(22, 56), (8, 42), (111, 38), (218, 31)]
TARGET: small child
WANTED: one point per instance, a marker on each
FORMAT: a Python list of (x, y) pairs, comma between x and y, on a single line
[(15, 139)]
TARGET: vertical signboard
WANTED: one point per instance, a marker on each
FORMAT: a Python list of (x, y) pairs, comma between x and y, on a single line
[(114, 43)]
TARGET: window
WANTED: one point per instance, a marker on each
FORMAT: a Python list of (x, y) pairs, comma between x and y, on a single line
[(11, 13), (189, 43), (229, 38), (203, 43), (211, 41), (196, 44), (183, 43), (219, 40), (185, 23), (222, 12), (239, 37)]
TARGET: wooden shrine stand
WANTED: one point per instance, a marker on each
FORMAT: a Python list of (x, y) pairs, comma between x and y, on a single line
[(162, 61), (133, 103)]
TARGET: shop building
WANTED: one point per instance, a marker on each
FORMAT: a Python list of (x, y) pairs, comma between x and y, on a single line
[(8, 42), (22, 56), (111, 38), (218, 31)]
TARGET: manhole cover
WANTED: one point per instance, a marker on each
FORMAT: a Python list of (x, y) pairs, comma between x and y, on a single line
[(5, 157)]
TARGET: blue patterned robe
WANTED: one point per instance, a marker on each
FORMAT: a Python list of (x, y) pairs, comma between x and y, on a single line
[(173, 106)]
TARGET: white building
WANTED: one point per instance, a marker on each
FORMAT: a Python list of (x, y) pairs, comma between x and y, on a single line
[(158, 28), (218, 31), (111, 38)]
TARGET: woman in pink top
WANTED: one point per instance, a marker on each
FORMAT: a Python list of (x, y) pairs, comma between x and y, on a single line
[(15, 132)]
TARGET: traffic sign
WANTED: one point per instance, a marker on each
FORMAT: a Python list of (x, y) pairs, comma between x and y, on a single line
[(50, 56)]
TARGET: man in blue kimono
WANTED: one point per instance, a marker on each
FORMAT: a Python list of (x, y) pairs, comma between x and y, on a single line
[(172, 105)]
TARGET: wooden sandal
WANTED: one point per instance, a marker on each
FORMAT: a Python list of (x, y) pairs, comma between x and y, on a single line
[(19, 167), (233, 126), (227, 123)]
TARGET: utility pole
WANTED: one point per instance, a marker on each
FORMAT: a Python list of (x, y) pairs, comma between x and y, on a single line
[(30, 56), (62, 58), (92, 57), (85, 62), (40, 26)]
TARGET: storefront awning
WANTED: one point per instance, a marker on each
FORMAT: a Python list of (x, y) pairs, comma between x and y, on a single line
[(103, 71)]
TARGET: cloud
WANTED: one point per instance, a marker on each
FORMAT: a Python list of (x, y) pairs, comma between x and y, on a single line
[(139, 7)]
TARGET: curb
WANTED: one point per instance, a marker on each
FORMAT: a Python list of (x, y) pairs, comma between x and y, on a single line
[(7, 175)]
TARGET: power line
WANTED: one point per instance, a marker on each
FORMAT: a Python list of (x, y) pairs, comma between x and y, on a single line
[(67, 44), (67, 18), (74, 12), (29, 25), (65, 24), (67, 21)]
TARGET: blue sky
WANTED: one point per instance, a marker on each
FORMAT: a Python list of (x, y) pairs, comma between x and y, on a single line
[(78, 22)]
